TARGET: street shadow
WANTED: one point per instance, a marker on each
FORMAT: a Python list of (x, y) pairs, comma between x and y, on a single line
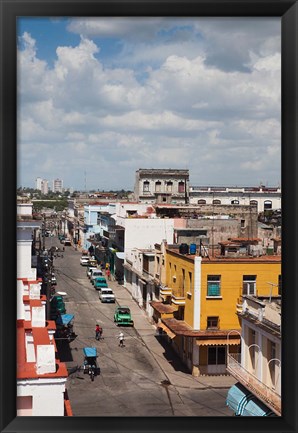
[(170, 355), (64, 350)]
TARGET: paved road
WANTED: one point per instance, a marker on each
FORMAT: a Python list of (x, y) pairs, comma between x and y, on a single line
[(145, 378)]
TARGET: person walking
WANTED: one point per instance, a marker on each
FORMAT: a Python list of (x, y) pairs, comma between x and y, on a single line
[(108, 274), (121, 339), (98, 331)]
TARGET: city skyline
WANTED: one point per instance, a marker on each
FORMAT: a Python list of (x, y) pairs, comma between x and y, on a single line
[(195, 93)]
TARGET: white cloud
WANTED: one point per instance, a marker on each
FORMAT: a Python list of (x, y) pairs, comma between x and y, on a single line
[(185, 110)]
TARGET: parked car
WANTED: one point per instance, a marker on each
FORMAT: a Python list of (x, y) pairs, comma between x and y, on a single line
[(107, 295), (84, 260), (95, 274), (100, 282), (67, 242), (57, 306), (122, 316), (89, 270), (53, 280)]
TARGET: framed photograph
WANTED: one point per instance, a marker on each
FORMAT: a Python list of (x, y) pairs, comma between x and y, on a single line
[(103, 89)]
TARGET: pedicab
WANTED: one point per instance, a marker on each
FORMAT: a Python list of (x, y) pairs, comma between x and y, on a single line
[(64, 327), (90, 365)]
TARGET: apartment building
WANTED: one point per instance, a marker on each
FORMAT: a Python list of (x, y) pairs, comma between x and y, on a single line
[(258, 367), (57, 185), (41, 377), (201, 297), (162, 186), (263, 197)]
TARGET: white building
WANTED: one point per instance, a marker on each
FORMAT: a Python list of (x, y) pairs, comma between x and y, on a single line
[(38, 182), (258, 367), (140, 236), (41, 377), (265, 198), (161, 186), (44, 187), (57, 185)]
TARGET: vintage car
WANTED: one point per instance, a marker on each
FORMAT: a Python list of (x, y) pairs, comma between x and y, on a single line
[(107, 295), (122, 316), (100, 282)]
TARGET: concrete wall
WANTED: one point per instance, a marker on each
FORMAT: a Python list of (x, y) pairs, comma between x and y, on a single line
[(47, 395), (145, 232)]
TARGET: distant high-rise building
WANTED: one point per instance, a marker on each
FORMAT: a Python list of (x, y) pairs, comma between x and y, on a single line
[(58, 185), (44, 186), (38, 182)]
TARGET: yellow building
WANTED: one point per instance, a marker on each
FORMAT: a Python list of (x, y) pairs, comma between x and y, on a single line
[(201, 297)]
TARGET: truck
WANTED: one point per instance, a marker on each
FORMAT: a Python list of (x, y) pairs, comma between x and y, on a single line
[(122, 316)]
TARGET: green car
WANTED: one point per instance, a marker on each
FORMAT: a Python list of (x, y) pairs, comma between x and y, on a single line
[(122, 316), (57, 306), (100, 282)]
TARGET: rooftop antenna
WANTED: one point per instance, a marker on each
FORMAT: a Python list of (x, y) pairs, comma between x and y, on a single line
[(85, 182)]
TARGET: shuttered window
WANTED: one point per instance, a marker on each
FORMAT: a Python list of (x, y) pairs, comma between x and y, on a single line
[(213, 285)]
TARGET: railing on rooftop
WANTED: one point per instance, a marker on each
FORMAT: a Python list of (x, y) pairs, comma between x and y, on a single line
[(271, 398)]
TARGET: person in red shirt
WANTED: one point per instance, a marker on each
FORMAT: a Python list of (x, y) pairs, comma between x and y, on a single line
[(98, 332)]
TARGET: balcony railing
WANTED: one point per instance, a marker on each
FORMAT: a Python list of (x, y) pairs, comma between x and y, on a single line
[(262, 391)]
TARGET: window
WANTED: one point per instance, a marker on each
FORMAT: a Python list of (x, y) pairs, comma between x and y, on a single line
[(190, 281), (181, 187), (213, 322), (254, 203), (202, 201), (216, 355), (242, 224), (158, 186), (249, 285), (216, 201), (267, 204), (213, 285), (146, 186), (235, 202), (169, 186)]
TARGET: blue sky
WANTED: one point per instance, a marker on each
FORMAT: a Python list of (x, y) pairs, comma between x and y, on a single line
[(107, 96)]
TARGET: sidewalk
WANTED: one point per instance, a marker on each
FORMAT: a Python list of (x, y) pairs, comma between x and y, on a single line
[(175, 371)]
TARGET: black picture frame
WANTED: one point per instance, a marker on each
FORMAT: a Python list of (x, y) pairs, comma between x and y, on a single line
[(288, 13)]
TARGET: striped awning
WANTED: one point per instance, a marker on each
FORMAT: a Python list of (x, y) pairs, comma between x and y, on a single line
[(255, 407), (219, 342), (237, 398)]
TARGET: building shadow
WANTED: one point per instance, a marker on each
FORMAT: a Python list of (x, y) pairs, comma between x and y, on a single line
[(170, 355)]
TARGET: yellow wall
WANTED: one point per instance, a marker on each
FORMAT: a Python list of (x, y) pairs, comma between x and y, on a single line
[(231, 286)]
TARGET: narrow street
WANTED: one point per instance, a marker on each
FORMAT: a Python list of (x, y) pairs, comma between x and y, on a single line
[(144, 378)]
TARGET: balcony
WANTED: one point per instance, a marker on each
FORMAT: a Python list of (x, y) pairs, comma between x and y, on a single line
[(258, 388)]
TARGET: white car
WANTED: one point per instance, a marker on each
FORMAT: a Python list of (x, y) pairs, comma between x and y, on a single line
[(90, 269), (84, 260), (107, 295), (94, 274)]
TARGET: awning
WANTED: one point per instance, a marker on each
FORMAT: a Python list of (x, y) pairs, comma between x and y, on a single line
[(255, 407), (167, 330), (237, 398), (64, 319), (120, 255), (219, 342), (90, 352)]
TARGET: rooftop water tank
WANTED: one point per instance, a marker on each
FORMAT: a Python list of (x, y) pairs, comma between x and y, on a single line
[(183, 249), (192, 249)]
